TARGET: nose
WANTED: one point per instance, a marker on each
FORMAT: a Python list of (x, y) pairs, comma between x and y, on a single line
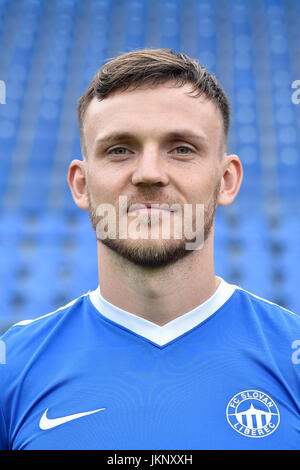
[(150, 170)]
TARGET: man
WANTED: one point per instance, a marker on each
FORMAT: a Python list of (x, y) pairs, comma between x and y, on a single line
[(163, 354)]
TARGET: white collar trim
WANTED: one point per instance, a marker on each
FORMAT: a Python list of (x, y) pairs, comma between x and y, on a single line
[(162, 335)]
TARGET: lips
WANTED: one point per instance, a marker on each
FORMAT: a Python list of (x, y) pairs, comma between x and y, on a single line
[(150, 205)]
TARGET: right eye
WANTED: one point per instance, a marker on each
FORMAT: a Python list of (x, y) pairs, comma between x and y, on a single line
[(118, 151)]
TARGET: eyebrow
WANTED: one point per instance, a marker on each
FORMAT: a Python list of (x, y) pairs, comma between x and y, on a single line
[(176, 134)]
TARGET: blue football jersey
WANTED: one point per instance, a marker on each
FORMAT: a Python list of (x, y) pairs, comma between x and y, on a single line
[(225, 375)]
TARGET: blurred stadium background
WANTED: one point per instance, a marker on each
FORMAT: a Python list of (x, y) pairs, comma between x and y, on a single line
[(50, 50)]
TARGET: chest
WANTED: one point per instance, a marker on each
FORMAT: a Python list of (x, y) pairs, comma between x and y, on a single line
[(159, 401)]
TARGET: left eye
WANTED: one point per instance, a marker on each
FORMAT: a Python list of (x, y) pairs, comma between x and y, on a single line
[(183, 150)]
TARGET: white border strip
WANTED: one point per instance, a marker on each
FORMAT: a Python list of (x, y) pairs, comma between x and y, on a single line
[(162, 335)]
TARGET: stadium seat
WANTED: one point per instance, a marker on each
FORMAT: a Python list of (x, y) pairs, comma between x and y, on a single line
[(50, 52)]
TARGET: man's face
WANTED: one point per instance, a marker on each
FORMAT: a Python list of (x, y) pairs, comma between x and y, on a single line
[(153, 144)]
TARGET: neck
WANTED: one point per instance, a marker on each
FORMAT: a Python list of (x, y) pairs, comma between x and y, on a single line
[(160, 294)]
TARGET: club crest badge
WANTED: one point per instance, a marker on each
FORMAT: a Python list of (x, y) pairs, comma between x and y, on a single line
[(253, 414)]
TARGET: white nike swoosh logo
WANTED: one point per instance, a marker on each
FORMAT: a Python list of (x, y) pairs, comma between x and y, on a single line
[(48, 423)]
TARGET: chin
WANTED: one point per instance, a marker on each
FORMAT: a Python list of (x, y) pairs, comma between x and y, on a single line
[(149, 253)]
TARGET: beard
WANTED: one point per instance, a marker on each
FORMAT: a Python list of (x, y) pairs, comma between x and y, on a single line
[(161, 252)]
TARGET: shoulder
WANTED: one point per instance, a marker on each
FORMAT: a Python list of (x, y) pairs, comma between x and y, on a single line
[(23, 338), (270, 333), (262, 304), (273, 319)]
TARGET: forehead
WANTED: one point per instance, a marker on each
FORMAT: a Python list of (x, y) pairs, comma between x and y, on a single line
[(153, 112)]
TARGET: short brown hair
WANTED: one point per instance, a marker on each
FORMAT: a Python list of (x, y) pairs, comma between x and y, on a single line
[(153, 67)]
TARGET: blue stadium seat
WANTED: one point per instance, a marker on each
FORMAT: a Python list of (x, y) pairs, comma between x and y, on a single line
[(49, 257)]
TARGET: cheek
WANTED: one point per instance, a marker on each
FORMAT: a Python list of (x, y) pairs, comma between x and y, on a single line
[(102, 188), (97, 187), (201, 187)]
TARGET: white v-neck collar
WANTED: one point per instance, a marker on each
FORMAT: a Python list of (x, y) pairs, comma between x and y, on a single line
[(162, 335)]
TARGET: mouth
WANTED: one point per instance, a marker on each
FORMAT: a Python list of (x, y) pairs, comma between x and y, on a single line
[(149, 207)]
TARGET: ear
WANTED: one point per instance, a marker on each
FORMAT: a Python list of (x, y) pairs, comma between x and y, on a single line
[(78, 183), (231, 179)]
